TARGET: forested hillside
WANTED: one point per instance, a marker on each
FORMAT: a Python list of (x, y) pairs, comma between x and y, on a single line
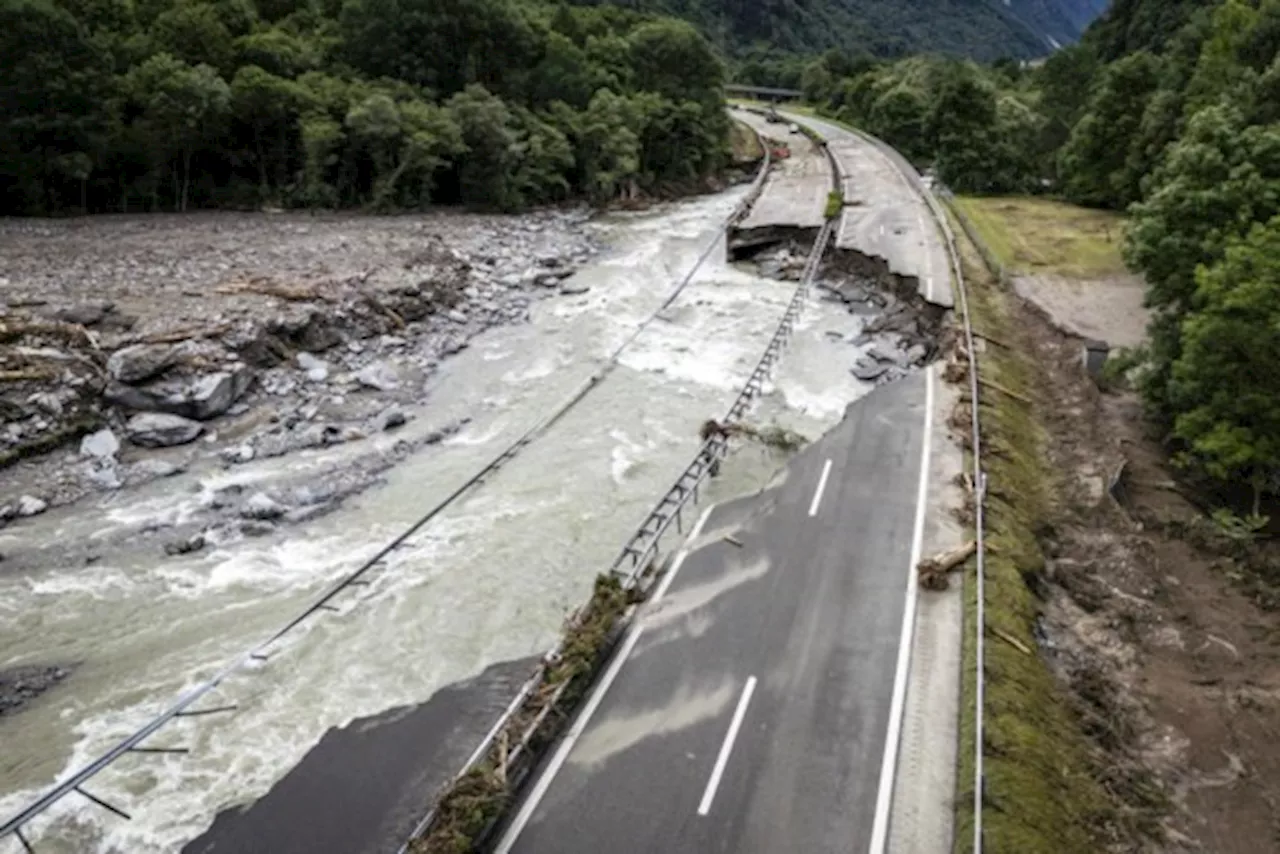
[(1170, 110), (981, 29), (116, 105)]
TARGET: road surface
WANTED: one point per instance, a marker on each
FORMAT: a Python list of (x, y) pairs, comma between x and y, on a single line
[(884, 216), (747, 711), (795, 193)]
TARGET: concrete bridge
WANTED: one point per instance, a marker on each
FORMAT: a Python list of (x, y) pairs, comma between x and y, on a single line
[(763, 93)]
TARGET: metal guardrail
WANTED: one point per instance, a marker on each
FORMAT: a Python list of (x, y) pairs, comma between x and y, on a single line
[(182, 708), (644, 545)]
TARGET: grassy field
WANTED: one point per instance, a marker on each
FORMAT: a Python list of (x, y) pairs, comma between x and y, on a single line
[(1030, 235)]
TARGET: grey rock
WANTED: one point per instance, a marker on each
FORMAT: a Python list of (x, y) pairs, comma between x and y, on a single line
[(102, 445), (552, 279), (213, 395), (156, 468), (882, 353), (573, 289), (86, 314), (457, 316), (162, 429), (140, 362), (50, 402), (107, 476), (391, 419), (29, 505), (311, 511), (317, 369), (868, 370), (261, 506), (184, 546), (201, 399), (377, 375), (916, 354), (241, 454), (257, 528), (238, 410)]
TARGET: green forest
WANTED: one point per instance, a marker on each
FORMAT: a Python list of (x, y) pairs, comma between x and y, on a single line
[(1169, 111), (148, 105)]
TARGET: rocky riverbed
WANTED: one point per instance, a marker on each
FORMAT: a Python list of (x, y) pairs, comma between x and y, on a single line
[(132, 348)]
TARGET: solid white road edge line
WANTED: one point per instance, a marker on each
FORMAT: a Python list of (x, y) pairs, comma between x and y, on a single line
[(822, 485), (725, 749), (893, 736), (580, 724)]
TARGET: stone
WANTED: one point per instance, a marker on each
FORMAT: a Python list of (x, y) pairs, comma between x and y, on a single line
[(213, 395), (257, 528), (162, 429), (868, 370), (29, 505), (86, 314), (186, 545), (241, 454), (107, 476), (102, 445), (201, 399), (311, 511), (317, 369), (916, 354), (391, 419), (261, 506), (156, 468), (377, 375), (573, 289), (457, 316), (140, 362), (552, 279), (50, 402), (882, 353)]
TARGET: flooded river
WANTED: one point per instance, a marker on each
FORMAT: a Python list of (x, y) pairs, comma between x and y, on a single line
[(489, 580)]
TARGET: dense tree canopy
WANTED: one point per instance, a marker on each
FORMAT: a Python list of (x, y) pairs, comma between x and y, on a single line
[(168, 104)]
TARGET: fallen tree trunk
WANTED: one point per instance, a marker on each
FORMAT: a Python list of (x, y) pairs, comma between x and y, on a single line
[(932, 571)]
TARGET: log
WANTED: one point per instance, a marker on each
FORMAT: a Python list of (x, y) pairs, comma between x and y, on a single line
[(986, 383), (174, 335), (1011, 640), (933, 570)]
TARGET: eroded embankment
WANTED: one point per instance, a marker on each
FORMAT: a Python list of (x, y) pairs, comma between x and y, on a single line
[(1059, 772)]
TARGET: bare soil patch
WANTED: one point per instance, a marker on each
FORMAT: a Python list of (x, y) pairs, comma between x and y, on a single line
[(1109, 309), (1174, 670)]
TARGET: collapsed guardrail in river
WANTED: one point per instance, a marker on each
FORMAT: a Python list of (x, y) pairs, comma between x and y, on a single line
[(505, 749)]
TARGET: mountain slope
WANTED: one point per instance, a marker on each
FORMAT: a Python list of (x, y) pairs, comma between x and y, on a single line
[(982, 29)]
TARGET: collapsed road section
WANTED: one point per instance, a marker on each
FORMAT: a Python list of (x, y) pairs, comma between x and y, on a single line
[(657, 735)]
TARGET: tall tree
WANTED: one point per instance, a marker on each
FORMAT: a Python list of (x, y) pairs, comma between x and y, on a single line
[(1226, 382), (182, 107), (54, 87), (1093, 162)]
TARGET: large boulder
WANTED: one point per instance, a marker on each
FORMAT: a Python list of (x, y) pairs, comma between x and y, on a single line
[(378, 375), (162, 429), (140, 362), (200, 398), (102, 445), (212, 395)]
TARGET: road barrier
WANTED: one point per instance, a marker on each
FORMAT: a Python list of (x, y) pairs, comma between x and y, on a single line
[(632, 567), (182, 708)]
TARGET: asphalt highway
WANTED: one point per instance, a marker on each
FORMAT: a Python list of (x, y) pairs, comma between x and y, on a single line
[(749, 708), (884, 215)]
